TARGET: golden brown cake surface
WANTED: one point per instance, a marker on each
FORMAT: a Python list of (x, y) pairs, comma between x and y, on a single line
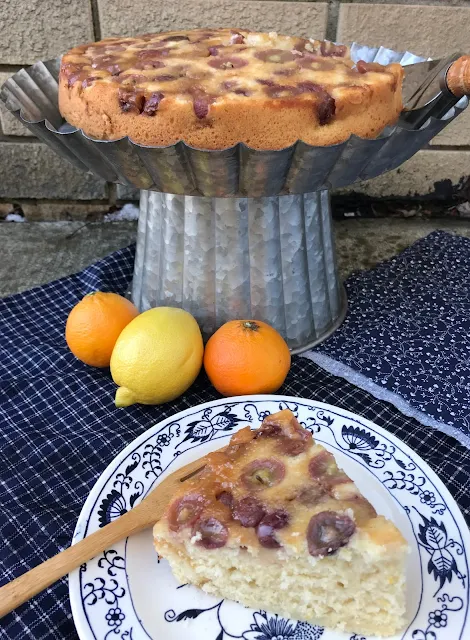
[(214, 88), (275, 508)]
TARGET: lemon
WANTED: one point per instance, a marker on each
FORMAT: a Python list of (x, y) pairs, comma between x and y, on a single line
[(157, 357)]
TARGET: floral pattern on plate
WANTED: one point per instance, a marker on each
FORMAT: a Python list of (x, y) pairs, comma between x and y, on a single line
[(106, 593)]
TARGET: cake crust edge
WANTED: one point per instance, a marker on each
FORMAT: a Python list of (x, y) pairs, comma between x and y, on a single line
[(261, 123)]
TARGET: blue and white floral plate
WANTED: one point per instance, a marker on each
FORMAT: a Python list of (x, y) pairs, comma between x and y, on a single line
[(126, 594)]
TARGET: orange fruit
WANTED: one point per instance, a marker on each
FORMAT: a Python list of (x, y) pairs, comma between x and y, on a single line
[(94, 325), (245, 357)]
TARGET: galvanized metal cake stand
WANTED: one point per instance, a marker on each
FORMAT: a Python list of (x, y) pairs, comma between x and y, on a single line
[(236, 233)]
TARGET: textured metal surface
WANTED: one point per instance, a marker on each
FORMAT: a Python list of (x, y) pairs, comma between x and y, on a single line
[(31, 95), (245, 249), (272, 259)]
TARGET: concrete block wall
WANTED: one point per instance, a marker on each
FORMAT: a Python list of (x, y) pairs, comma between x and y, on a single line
[(46, 186)]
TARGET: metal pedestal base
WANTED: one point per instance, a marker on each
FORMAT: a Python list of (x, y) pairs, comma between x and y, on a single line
[(221, 259)]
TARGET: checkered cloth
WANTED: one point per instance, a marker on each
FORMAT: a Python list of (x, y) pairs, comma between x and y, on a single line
[(59, 430)]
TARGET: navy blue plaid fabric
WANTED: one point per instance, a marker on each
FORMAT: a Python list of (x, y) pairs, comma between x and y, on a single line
[(59, 429)]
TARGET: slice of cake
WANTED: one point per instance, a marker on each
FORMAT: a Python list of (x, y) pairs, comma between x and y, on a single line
[(274, 524), (214, 88)]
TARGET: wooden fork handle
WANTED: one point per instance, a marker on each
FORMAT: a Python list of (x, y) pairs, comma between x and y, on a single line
[(31, 583), (458, 77)]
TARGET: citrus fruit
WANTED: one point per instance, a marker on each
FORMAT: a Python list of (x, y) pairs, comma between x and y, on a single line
[(246, 356), (94, 325), (157, 357)]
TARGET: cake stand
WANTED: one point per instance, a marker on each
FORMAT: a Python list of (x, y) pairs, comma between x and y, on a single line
[(235, 233)]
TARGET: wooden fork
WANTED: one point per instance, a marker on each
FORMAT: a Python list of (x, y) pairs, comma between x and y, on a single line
[(144, 515)]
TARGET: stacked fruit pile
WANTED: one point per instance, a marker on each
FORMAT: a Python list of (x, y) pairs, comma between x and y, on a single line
[(155, 356)]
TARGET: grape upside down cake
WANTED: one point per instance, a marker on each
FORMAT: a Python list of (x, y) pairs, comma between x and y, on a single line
[(214, 88), (273, 523)]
